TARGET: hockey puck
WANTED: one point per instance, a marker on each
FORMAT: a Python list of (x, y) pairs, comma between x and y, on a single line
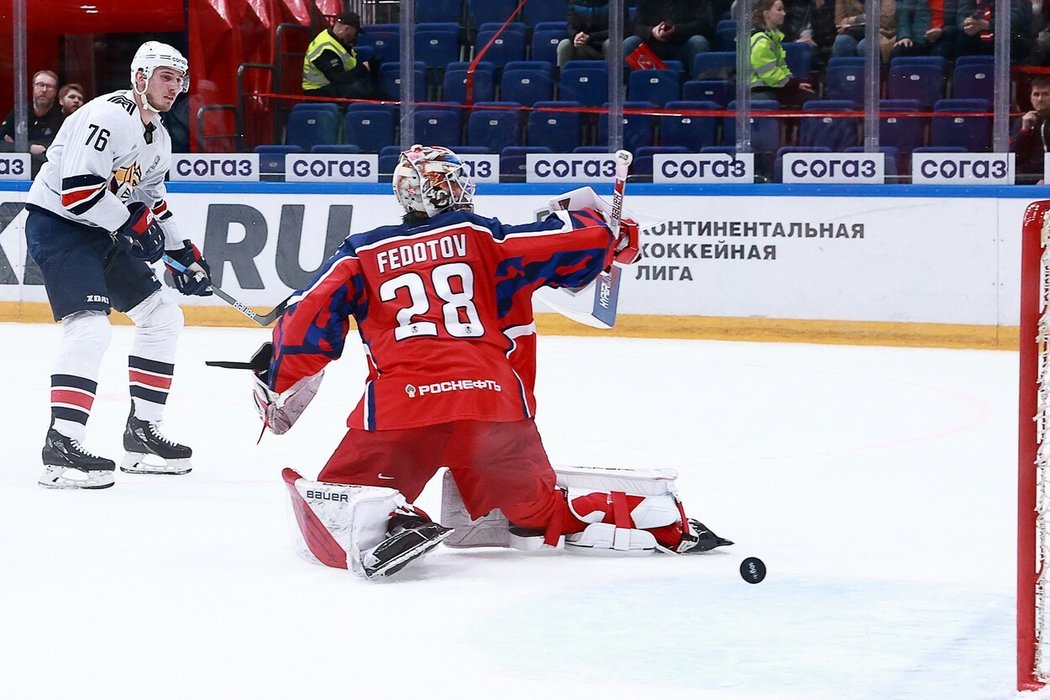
[(752, 570)]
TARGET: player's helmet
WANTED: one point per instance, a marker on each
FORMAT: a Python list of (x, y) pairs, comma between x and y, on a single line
[(153, 55), (429, 180)]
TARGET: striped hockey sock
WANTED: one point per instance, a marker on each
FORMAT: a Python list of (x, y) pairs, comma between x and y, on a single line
[(71, 400), (149, 382)]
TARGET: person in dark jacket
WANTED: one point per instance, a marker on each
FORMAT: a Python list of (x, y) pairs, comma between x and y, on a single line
[(811, 22), (588, 31), (674, 29), (1031, 135)]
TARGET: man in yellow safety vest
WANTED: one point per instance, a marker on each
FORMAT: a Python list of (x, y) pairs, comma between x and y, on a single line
[(331, 68)]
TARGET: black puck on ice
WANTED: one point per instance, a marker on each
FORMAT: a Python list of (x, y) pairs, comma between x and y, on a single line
[(752, 570)]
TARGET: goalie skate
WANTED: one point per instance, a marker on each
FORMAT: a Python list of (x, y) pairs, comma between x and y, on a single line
[(149, 452), (67, 465), (410, 538)]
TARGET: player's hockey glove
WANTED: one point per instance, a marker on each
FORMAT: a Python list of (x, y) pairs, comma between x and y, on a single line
[(142, 232), (626, 250), (279, 412), (197, 280)]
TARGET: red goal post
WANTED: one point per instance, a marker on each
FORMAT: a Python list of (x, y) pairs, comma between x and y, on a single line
[(1033, 456)]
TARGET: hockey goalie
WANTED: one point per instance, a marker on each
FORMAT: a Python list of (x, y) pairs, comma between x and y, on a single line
[(443, 305)]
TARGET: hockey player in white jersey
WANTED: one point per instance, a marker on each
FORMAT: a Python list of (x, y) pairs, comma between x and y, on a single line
[(97, 219)]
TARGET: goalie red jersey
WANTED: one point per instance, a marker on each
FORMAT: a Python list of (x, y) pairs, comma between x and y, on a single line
[(444, 310)]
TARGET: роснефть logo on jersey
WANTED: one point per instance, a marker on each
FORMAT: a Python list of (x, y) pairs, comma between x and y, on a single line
[(454, 385)]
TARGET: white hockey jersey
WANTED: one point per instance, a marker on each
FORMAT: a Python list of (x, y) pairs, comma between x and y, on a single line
[(102, 159)]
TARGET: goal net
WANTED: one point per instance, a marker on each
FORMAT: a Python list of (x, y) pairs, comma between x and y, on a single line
[(1033, 507)]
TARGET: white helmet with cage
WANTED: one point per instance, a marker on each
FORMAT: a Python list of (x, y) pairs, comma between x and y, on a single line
[(429, 180), (151, 56)]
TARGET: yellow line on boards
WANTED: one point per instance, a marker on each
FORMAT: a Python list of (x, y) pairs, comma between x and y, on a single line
[(768, 330)]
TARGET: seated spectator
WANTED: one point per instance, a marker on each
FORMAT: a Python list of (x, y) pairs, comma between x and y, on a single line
[(675, 30), (588, 31), (851, 20), (44, 116), (70, 98), (925, 28), (771, 79), (811, 22), (1031, 134), (331, 68), (976, 21)]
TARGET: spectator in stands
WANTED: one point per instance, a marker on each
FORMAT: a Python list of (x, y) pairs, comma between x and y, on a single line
[(977, 24), (70, 98), (851, 20), (44, 116), (811, 22), (331, 68), (771, 79), (674, 29), (588, 31), (1032, 133), (925, 28)]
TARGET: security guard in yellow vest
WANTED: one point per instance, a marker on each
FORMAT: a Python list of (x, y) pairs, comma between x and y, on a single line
[(331, 68)]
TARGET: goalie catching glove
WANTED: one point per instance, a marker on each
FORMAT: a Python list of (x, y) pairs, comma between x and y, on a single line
[(196, 280), (279, 412)]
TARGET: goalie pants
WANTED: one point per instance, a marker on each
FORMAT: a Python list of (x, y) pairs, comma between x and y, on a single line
[(495, 465)]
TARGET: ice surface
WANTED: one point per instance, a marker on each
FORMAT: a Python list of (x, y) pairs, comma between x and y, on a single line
[(878, 485)]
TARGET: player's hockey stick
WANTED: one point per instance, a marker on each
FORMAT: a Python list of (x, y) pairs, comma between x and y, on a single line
[(605, 289), (262, 319)]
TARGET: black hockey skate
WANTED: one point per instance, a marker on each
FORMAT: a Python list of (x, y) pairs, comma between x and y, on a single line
[(142, 440), (67, 465), (700, 539), (410, 538)]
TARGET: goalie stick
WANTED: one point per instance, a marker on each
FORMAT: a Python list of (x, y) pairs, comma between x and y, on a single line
[(606, 288), (262, 319)]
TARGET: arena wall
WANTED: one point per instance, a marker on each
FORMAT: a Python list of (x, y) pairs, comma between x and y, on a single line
[(896, 264)]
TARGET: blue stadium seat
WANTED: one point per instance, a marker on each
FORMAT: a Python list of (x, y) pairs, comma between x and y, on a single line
[(508, 46), (725, 24), (973, 133), (390, 81), (844, 80), (332, 107), (836, 133), (369, 129), (536, 11), (544, 44), (638, 129), (718, 91), (494, 125), (690, 132), (439, 11), (438, 126), (386, 44), (902, 133), (436, 48), (916, 81), (388, 157), (527, 82), (307, 128), (778, 161), (512, 161), (554, 124), (271, 157), (544, 26), (969, 59), (485, 11), (586, 82), (518, 27), (654, 86), (643, 158), (714, 65), (933, 60), (973, 81), (454, 83), (799, 58), (725, 39), (335, 148)]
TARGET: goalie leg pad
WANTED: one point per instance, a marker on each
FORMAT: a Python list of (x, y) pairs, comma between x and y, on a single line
[(334, 523)]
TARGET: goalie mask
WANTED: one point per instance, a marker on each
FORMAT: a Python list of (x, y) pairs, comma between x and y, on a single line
[(151, 56), (430, 180)]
